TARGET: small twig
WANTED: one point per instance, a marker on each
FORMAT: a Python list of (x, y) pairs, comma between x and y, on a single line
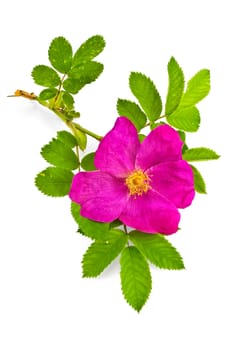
[(88, 132), (61, 113)]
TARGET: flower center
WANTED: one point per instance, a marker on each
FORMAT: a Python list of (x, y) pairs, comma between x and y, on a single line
[(137, 183)]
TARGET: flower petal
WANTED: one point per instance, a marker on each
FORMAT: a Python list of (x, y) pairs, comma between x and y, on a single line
[(151, 213), (174, 180), (163, 144), (101, 196), (117, 151)]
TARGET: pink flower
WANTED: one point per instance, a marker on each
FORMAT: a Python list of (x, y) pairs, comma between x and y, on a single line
[(141, 184)]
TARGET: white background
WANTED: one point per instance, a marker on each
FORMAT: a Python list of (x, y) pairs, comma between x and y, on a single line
[(44, 302)]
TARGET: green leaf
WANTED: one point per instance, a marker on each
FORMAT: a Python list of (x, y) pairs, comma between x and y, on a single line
[(115, 223), (81, 75), (184, 148), (183, 138), (92, 229), (81, 139), (45, 76), (198, 88), (182, 135), (176, 86), (75, 211), (187, 119), (89, 49), (145, 91), (157, 250), (87, 162), (100, 254), (86, 72), (73, 114), (135, 277), (141, 137), (73, 85), (60, 54), (67, 138), (199, 182), (68, 100), (200, 154), (54, 182), (59, 154), (133, 112), (47, 94)]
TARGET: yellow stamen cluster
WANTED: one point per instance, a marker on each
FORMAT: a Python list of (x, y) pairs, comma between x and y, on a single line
[(138, 183)]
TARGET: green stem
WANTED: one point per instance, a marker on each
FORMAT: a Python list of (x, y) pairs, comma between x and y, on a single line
[(127, 234), (88, 132), (151, 123), (77, 153), (61, 113), (59, 90), (161, 117), (125, 229), (72, 128), (69, 123)]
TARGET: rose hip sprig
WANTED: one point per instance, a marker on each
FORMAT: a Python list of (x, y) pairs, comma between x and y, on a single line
[(126, 195)]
